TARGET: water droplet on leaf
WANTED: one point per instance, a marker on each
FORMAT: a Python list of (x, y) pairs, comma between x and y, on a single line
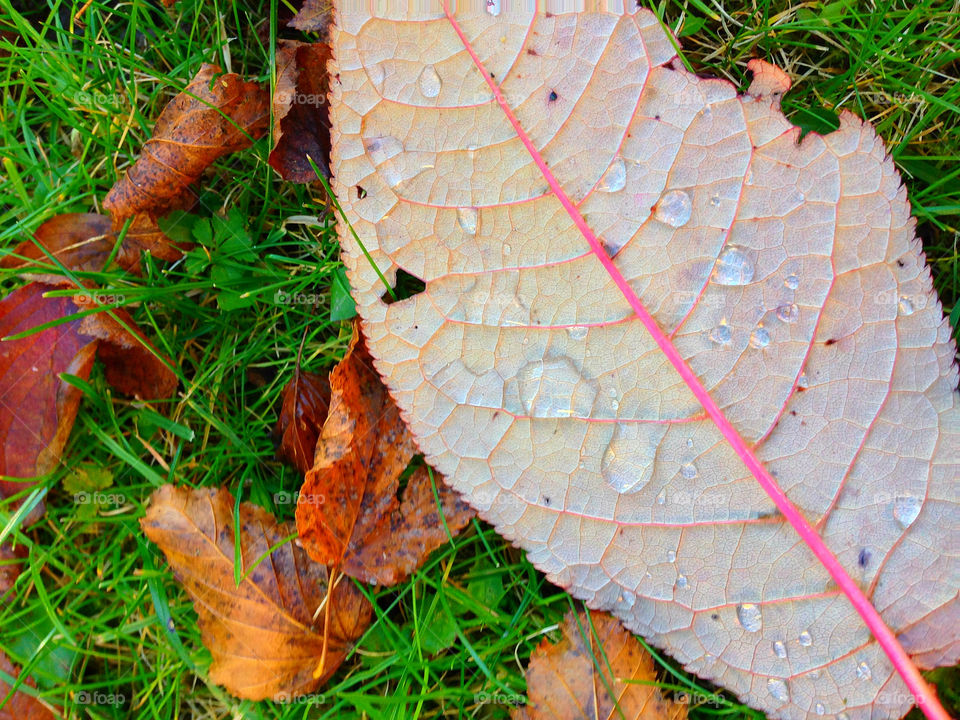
[(759, 338), (905, 306), (672, 556), (577, 332), (721, 334), (615, 178), (779, 649), (733, 267), (681, 581), (906, 508), (778, 689), (792, 281), (750, 617), (555, 388), (674, 208), (429, 82), (863, 671), (468, 217), (627, 463), (819, 709), (688, 470), (788, 313), (805, 639)]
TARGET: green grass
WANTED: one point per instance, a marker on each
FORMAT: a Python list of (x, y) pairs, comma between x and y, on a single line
[(77, 101)]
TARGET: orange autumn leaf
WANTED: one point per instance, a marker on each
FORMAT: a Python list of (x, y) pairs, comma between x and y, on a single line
[(302, 126), (79, 241), (597, 670), (37, 407), (303, 409), (348, 512), (267, 634), (214, 115)]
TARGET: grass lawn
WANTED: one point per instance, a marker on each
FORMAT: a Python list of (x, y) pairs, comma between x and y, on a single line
[(99, 622)]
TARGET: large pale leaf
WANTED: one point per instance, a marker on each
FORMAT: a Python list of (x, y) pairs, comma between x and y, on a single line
[(695, 367)]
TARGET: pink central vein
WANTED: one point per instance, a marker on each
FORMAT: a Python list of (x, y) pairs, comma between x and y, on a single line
[(923, 694)]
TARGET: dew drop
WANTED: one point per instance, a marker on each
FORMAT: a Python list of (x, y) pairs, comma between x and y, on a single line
[(819, 709), (788, 313), (627, 463), (468, 217), (715, 201), (733, 267), (759, 338), (721, 334), (672, 556), (689, 442), (615, 178), (429, 82), (792, 281), (555, 388), (681, 581), (906, 306), (778, 689), (507, 249), (750, 617), (805, 638), (674, 208), (661, 497), (577, 332), (803, 381), (843, 716), (906, 509), (688, 470), (863, 671), (780, 650)]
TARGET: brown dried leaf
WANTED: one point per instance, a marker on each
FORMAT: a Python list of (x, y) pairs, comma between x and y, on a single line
[(37, 408), (304, 404), (593, 673), (302, 119), (348, 512), (267, 635), (210, 118), (20, 706), (313, 16), (79, 241)]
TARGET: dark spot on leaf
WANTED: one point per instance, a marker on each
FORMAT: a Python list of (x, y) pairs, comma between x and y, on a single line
[(793, 412), (830, 342), (531, 51), (553, 95), (864, 557), (715, 616), (900, 263), (406, 286)]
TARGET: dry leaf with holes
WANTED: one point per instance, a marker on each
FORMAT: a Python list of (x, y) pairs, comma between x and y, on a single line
[(693, 365), (348, 512), (596, 670), (266, 635)]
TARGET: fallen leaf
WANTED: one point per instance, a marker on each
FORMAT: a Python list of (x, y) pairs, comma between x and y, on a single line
[(694, 366), (596, 671), (78, 241), (267, 634), (20, 706), (214, 115), (303, 408), (348, 513), (37, 407), (301, 128), (313, 16)]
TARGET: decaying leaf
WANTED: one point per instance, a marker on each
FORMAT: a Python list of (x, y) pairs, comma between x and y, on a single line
[(696, 368), (597, 670), (37, 407), (348, 513), (214, 115), (303, 409), (20, 705), (79, 241), (266, 635), (301, 127), (313, 16)]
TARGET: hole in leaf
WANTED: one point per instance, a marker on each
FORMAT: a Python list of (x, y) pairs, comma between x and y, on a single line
[(811, 119), (406, 286), (361, 193)]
